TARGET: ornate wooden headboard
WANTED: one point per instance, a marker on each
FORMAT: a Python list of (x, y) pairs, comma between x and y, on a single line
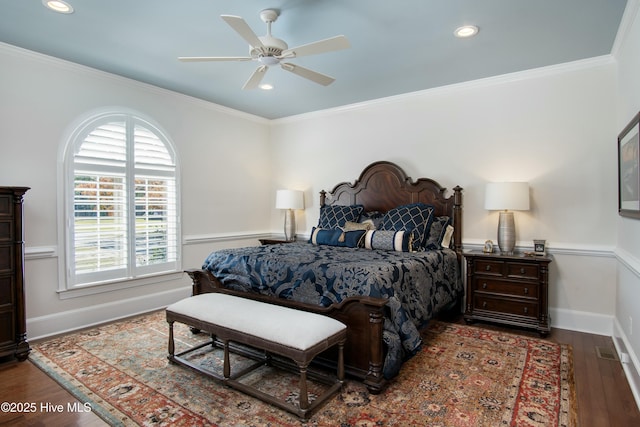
[(384, 185)]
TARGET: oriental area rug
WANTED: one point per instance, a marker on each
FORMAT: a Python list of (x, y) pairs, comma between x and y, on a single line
[(462, 376)]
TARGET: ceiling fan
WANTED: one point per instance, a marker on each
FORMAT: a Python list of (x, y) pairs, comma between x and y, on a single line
[(270, 51)]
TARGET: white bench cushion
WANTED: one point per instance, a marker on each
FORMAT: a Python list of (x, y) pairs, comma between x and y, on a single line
[(292, 328)]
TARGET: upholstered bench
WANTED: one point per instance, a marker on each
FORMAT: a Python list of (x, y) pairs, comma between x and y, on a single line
[(293, 334)]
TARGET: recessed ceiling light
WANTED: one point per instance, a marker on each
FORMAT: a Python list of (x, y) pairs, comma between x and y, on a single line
[(58, 6), (466, 31), (266, 86)]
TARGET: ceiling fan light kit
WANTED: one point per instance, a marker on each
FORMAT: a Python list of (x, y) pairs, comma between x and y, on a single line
[(269, 51)]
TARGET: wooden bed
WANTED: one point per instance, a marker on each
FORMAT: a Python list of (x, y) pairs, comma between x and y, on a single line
[(381, 186)]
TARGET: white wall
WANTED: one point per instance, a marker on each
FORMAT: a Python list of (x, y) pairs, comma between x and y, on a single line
[(551, 127), (627, 316), (225, 168)]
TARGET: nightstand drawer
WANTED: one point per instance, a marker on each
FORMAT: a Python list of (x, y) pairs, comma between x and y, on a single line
[(523, 270), (489, 267), (506, 306), (505, 287)]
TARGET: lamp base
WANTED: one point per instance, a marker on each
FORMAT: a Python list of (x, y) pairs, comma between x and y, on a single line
[(289, 225), (506, 233)]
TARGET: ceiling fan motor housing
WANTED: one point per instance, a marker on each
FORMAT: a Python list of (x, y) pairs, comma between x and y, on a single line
[(272, 47)]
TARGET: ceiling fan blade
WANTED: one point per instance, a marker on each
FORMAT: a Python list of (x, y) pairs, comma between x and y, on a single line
[(214, 58), (255, 78), (321, 46), (243, 29), (314, 76)]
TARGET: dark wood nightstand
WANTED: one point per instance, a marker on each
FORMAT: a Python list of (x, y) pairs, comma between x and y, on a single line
[(508, 289), (274, 241)]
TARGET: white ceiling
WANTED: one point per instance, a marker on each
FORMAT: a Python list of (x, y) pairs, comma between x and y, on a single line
[(396, 47)]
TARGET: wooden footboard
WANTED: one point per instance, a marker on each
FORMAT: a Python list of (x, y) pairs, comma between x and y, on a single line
[(364, 316)]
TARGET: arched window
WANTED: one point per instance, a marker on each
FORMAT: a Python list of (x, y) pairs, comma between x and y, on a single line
[(121, 201)]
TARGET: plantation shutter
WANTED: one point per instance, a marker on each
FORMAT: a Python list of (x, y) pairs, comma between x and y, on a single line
[(155, 201), (124, 221)]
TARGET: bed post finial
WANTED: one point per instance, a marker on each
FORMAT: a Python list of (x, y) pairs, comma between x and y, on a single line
[(323, 198), (457, 218)]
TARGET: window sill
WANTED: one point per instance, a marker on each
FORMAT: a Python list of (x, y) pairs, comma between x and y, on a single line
[(112, 286)]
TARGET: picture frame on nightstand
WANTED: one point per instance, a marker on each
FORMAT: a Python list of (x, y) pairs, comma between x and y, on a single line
[(539, 247), (488, 247)]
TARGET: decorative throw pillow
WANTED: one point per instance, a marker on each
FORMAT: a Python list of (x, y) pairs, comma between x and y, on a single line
[(388, 240), (415, 216), (336, 237), (335, 216), (365, 225), (436, 232), (446, 239), (375, 217)]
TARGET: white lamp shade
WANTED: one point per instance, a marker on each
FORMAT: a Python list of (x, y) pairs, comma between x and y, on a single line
[(512, 196), (289, 199)]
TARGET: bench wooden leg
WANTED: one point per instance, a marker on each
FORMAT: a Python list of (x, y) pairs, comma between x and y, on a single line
[(341, 361), (171, 343), (227, 363), (304, 397)]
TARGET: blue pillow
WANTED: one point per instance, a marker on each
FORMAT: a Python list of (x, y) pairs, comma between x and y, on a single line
[(436, 232), (389, 240), (336, 216), (336, 237), (416, 217)]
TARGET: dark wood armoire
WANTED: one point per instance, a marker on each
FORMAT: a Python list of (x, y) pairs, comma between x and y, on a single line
[(13, 327)]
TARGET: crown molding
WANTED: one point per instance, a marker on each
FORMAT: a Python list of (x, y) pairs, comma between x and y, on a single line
[(448, 89), (626, 24), (517, 76), (134, 84)]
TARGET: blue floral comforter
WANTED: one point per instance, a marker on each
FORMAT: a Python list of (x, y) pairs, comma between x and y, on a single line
[(417, 285)]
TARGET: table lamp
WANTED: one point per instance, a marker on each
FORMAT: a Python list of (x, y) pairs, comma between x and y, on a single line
[(289, 200), (505, 197)]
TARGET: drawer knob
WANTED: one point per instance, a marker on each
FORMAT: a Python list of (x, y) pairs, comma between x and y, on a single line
[(484, 285), (526, 291), (526, 310), (488, 268), (522, 270), (484, 304)]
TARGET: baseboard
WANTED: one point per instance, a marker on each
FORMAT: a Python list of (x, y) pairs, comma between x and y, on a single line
[(67, 321), (629, 360), (581, 321)]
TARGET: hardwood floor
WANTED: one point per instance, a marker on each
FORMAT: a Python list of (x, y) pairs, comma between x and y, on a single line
[(604, 396), (38, 400)]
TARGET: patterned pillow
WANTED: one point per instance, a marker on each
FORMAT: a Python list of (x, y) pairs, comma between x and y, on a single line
[(436, 232), (416, 217), (336, 216), (365, 225), (389, 240), (337, 237), (373, 216)]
